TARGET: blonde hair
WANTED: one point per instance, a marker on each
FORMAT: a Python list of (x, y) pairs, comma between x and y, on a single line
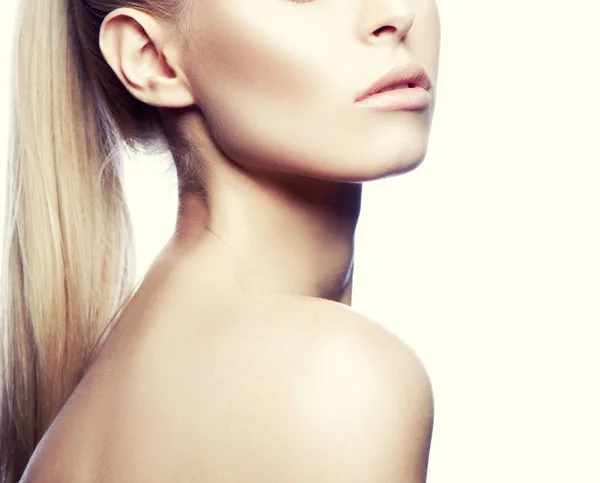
[(67, 267)]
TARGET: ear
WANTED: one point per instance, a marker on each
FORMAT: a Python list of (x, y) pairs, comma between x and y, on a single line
[(138, 49)]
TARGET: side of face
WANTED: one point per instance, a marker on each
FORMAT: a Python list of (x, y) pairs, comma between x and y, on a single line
[(276, 81)]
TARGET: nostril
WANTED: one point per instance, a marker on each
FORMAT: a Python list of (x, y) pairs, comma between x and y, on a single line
[(386, 29)]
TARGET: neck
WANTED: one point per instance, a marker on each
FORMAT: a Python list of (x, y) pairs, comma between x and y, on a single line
[(278, 234)]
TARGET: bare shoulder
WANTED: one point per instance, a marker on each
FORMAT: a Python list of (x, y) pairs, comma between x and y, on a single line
[(350, 341), (297, 390), (280, 389), (367, 406), (350, 402)]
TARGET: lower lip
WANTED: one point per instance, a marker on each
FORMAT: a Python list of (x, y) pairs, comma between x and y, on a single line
[(403, 99)]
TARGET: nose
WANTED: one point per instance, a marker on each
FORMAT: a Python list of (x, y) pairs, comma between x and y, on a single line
[(385, 21)]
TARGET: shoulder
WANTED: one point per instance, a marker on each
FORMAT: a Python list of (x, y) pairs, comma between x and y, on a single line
[(366, 403), (350, 403), (287, 389), (346, 340)]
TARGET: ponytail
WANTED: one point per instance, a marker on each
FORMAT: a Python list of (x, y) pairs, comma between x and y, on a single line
[(67, 249)]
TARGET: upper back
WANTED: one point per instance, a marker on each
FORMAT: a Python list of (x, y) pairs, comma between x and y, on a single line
[(210, 401)]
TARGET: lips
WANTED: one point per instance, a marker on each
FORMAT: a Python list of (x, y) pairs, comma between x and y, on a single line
[(399, 77), (394, 86)]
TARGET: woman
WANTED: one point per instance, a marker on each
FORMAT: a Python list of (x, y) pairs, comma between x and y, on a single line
[(237, 358)]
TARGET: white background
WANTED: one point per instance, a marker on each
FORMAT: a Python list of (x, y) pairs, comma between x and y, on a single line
[(486, 259)]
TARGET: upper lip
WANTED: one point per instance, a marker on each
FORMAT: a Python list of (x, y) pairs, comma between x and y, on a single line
[(411, 73)]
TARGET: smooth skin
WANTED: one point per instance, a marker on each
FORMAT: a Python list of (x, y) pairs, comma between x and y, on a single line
[(238, 359)]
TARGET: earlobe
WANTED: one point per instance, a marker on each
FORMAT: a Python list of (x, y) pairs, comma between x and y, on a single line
[(132, 43)]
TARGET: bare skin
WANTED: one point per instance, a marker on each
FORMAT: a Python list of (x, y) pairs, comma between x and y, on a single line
[(239, 358), (231, 388)]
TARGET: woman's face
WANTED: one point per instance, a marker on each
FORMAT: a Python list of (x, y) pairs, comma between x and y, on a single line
[(277, 82)]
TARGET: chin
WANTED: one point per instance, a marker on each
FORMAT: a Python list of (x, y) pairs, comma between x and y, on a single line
[(383, 152), (396, 170), (375, 165), (362, 172)]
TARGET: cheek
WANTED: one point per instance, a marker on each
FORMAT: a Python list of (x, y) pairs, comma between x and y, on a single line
[(246, 56), (248, 69), (279, 99), (263, 86)]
